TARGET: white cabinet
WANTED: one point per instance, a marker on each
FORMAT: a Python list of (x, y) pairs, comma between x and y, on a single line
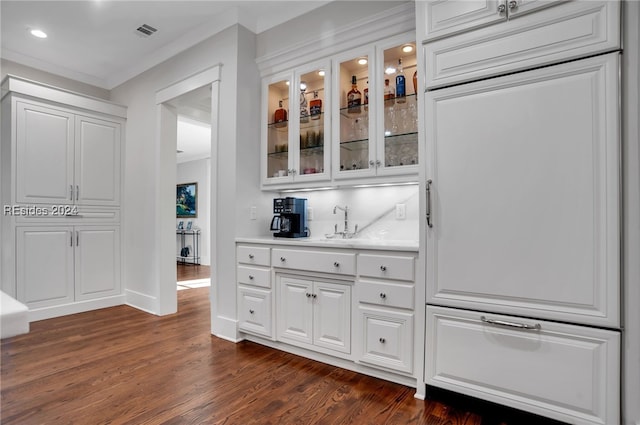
[(255, 300), (443, 17), (525, 194), (65, 158), (57, 265), (567, 372), (566, 31), (314, 313)]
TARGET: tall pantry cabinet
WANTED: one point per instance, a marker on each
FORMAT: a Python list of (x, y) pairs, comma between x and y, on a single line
[(61, 188), (522, 231)]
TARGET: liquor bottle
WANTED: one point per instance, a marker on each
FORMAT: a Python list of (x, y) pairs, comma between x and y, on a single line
[(304, 112), (354, 97), (401, 90), (315, 106), (388, 93), (415, 83), (280, 116), (366, 97)]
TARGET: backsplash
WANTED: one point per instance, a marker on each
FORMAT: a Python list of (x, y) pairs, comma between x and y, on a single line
[(373, 209)]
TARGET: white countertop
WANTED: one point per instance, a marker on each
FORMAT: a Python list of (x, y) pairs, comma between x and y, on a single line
[(379, 244)]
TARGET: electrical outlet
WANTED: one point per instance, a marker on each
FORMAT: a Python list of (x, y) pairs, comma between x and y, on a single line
[(309, 213), (253, 213), (401, 211)]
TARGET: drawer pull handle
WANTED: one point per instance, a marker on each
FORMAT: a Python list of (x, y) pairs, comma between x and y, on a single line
[(383, 268), (524, 326), (383, 295), (251, 311), (382, 340), (336, 264), (250, 277), (283, 259), (250, 256)]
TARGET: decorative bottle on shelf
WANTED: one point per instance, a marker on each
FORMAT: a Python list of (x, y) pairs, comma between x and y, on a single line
[(315, 106), (415, 83), (354, 97), (388, 93), (304, 111), (280, 116), (366, 97), (401, 89)]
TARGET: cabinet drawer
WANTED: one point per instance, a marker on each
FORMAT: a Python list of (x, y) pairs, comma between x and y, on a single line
[(387, 338), (317, 261), (256, 255), (567, 372), (254, 311), (567, 31), (387, 294), (386, 266), (66, 214), (254, 276)]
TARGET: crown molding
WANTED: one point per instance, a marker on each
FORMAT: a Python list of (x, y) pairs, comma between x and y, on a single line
[(394, 21)]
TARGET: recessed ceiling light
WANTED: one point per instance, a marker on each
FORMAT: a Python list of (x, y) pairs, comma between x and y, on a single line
[(362, 61), (38, 33), (407, 48), (390, 70), (321, 73)]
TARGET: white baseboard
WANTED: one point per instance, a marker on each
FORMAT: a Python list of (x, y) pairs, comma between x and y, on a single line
[(225, 328), (73, 308), (141, 301)]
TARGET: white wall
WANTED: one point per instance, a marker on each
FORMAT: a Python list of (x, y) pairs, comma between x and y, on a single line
[(13, 68), (198, 171)]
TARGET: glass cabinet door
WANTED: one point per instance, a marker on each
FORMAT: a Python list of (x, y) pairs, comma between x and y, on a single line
[(354, 154), (314, 124), (400, 112), (277, 140)]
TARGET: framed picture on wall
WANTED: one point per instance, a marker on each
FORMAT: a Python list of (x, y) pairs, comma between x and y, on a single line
[(187, 200)]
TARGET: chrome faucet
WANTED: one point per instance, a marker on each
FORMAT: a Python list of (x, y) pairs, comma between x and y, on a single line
[(345, 233)]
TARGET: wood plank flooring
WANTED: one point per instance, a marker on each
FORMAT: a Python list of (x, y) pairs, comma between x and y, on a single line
[(192, 272), (123, 366)]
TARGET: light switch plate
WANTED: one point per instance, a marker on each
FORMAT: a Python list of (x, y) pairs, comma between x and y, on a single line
[(309, 213), (253, 213), (401, 211)]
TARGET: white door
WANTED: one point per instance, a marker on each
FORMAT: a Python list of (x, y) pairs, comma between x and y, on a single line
[(44, 155), (44, 260), (332, 316), (97, 261), (97, 162), (295, 310), (525, 193)]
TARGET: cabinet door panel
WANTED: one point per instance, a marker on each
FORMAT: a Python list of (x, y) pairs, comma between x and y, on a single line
[(332, 316), (97, 264), (44, 155), (525, 193), (295, 310), (44, 259), (445, 17), (97, 161), (254, 313), (387, 338)]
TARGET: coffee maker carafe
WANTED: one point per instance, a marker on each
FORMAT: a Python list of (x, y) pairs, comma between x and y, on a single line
[(290, 219)]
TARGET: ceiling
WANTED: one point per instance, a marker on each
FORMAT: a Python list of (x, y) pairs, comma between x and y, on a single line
[(96, 42)]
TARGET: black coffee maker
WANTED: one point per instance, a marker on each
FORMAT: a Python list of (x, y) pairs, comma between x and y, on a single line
[(290, 219)]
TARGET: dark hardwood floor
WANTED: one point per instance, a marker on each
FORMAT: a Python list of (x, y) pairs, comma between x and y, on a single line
[(192, 272), (122, 366)]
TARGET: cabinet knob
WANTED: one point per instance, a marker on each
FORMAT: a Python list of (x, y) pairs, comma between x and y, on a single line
[(314, 295), (283, 259), (513, 4), (372, 163), (383, 295), (308, 295), (501, 8), (336, 264), (250, 256), (378, 163), (383, 268), (251, 311), (250, 277), (382, 340)]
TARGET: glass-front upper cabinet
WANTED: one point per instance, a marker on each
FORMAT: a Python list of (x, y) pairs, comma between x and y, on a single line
[(276, 101), (353, 154), (297, 127), (398, 119)]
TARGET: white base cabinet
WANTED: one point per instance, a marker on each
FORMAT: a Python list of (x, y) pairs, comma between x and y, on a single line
[(567, 372), (255, 300)]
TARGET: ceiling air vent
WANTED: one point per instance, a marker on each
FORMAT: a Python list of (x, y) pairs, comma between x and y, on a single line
[(145, 30)]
